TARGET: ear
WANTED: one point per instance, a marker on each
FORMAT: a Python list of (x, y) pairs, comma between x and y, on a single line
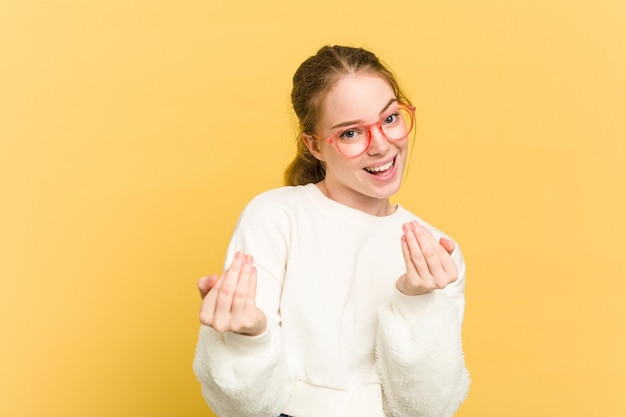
[(314, 145)]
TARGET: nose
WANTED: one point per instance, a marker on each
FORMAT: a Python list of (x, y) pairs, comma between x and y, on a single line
[(378, 142)]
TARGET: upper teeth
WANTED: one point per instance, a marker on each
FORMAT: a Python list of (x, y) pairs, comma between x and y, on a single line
[(381, 167)]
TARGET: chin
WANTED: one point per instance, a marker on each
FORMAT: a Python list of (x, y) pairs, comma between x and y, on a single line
[(387, 191)]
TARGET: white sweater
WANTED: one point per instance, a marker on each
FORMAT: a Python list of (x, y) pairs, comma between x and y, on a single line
[(342, 341)]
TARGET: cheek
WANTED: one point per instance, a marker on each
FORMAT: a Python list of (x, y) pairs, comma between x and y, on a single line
[(404, 149), (337, 163), (332, 157)]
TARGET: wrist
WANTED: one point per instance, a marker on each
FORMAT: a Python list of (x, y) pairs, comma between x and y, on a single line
[(259, 328), (246, 345), (401, 285)]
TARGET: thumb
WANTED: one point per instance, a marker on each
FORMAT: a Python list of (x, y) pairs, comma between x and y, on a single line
[(206, 283), (447, 244)]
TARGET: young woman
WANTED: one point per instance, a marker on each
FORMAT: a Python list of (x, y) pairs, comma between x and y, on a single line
[(334, 302)]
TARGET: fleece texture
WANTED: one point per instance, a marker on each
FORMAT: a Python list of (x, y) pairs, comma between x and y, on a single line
[(342, 341)]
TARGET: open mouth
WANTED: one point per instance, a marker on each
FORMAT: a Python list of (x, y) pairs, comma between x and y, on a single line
[(382, 169)]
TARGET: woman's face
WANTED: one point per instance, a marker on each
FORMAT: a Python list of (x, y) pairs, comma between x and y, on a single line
[(377, 173)]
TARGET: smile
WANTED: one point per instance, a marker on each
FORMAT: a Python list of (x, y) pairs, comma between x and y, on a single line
[(381, 169)]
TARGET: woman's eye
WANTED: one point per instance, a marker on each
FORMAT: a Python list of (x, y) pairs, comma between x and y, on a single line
[(349, 134), (391, 118)]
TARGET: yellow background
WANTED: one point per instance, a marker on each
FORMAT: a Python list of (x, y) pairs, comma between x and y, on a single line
[(132, 133)]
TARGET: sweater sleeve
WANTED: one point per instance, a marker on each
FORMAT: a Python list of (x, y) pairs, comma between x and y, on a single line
[(419, 355), (244, 376)]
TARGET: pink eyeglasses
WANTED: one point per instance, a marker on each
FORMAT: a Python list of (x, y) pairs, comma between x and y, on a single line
[(353, 141)]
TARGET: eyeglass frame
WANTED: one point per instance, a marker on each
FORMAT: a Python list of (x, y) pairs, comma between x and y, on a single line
[(334, 139)]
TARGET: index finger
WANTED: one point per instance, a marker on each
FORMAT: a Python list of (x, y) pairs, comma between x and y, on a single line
[(229, 283)]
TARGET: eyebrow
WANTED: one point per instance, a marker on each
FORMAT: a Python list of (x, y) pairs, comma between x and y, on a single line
[(354, 122)]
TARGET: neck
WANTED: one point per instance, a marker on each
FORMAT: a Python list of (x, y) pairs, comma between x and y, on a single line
[(379, 207)]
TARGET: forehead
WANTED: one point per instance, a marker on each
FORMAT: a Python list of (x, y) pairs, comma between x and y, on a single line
[(356, 97)]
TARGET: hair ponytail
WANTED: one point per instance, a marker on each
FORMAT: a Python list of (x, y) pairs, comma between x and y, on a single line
[(305, 168)]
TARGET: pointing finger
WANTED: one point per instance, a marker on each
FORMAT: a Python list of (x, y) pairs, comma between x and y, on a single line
[(240, 294)]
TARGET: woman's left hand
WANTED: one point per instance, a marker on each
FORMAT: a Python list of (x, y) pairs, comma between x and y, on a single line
[(429, 265)]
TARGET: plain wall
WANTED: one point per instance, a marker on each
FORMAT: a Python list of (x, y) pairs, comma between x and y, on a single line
[(132, 133)]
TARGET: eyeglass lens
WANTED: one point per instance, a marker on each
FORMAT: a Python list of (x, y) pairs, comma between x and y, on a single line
[(394, 126)]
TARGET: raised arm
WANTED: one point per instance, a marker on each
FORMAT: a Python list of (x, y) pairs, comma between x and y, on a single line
[(419, 351), (239, 357)]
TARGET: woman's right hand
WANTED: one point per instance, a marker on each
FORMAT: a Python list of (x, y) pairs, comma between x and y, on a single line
[(229, 301)]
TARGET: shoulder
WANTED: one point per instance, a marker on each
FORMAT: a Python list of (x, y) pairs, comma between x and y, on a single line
[(277, 198), (280, 195), (278, 205)]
